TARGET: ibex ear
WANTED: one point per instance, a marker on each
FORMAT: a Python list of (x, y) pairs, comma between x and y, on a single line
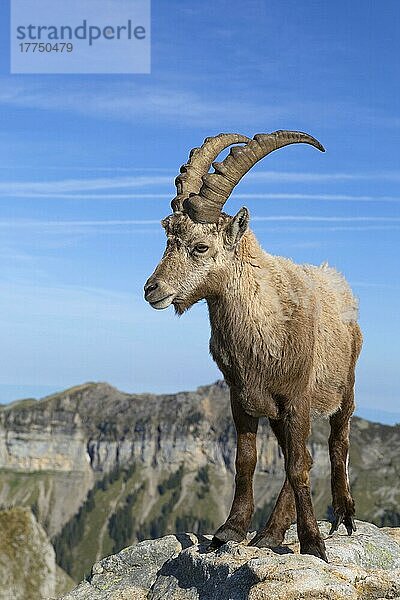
[(237, 227)]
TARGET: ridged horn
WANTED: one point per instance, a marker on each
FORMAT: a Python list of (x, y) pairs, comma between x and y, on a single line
[(206, 206), (189, 181)]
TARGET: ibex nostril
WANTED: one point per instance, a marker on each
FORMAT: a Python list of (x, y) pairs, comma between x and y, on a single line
[(150, 287)]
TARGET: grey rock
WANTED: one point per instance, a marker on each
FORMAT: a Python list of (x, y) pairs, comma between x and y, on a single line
[(133, 570), (365, 566), (364, 548)]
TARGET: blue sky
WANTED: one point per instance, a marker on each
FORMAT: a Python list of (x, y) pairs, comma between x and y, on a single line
[(86, 173)]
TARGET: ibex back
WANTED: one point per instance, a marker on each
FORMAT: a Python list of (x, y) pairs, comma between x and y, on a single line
[(285, 336)]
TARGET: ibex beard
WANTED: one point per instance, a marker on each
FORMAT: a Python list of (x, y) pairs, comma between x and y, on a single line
[(285, 337)]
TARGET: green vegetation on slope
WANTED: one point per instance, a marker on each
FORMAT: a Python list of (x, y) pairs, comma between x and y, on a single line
[(77, 545), (41, 491), (169, 491), (121, 525), (112, 518)]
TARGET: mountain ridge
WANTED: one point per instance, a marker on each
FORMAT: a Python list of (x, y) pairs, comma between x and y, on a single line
[(371, 414)]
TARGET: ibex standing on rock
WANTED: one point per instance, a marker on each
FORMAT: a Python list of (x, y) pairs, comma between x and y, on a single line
[(284, 335)]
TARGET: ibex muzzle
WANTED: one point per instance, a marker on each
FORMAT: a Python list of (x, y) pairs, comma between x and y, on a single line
[(158, 293)]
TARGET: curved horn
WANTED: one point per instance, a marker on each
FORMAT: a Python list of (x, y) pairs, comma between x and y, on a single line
[(189, 181), (207, 205)]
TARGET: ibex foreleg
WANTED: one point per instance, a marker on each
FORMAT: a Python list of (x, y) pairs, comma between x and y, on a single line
[(284, 513), (237, 524)]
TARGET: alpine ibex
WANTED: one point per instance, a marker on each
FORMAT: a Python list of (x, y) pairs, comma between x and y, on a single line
[(284, 335)]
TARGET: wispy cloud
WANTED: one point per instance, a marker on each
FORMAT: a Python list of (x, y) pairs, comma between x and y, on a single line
[(317, 197), (128, 101), (326, 219), (169, 99), (334, 223), (88, 168), (250, 196), (102, 188), (67, 301), (270, 196), (335, 229), (79, 185), (299, 177), (69, 225), (272, 176)]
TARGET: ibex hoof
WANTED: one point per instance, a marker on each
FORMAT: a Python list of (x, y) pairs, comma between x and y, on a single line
[(347, 520), (264, 539), (226, 533), (315, 547)]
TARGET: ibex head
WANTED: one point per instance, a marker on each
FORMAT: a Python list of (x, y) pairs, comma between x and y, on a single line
[(201, 238)]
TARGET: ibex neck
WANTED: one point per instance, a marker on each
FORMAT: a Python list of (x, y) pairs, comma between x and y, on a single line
[(245, 326), (245, 281)]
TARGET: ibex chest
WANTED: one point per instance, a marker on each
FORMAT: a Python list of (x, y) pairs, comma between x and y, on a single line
[(247, 367)]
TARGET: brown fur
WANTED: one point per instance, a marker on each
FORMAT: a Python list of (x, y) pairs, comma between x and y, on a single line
[(286, 339)]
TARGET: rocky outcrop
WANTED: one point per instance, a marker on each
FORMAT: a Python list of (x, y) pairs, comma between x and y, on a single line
[(28, 569), (364, 566), (173, 456)]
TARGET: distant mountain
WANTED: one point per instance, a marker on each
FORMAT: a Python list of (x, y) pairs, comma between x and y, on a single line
[(379, 416), (101, 468)]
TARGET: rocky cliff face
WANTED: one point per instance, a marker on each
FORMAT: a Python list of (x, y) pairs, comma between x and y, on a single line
[(102, 469), (365, 566), (28, 569)]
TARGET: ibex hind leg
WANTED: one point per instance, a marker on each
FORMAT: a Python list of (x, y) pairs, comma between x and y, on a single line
[(342, 501), (297, 467)]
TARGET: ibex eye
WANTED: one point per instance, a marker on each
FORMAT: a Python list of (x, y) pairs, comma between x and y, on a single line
[(201, 248)]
